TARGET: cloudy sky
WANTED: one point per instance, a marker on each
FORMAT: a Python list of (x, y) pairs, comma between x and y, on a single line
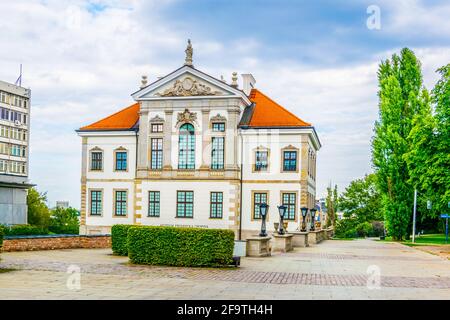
[(83, 58)]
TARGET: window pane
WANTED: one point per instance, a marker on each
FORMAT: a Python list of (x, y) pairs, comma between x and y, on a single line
[(218, 126), (153, 204), (217, 153), (185, 204), (186, 145), (289, 200), (261, 163), (289, 160), (259, 198), (96, 202), (121, 161), (121, 203), (216, 205), (156, 153)]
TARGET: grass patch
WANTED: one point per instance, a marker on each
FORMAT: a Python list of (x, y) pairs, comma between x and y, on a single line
[(425, 239)]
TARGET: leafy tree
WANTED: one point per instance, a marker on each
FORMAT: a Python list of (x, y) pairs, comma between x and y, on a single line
[(361, 200), (440, 176), (429, 157), (401, 97), (331, 202), (64, 221), (38, 212)]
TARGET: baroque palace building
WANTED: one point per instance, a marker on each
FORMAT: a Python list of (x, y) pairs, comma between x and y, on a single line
[(194, 151)]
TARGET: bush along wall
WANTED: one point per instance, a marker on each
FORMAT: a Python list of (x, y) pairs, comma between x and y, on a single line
[(188, 247), (24, 230), (119, 239)]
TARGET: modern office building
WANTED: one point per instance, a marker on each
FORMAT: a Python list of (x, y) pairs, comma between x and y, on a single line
[(14, 152)]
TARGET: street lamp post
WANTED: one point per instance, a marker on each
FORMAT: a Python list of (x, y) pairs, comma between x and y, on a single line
[(304, 211), (263, 212), (281, 210), (313, 218)]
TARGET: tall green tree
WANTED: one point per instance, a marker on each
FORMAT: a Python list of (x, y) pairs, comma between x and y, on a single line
[(38, 212), (361, 200), (440, 180), (429, 156), (401, 97), (331, 202)]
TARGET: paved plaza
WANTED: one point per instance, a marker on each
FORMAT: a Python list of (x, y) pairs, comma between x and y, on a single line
[(359, 269)]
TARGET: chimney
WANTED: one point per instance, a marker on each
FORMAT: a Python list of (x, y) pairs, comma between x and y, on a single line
[(248, 83)]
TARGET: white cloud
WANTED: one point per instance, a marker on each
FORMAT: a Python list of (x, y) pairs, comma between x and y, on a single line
[(82, 66)]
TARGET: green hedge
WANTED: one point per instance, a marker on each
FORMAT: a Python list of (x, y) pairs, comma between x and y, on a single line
[(119, 239), (24, 230), (172, 246)]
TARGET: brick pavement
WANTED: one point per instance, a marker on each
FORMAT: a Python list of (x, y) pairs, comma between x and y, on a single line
[(330, 270)]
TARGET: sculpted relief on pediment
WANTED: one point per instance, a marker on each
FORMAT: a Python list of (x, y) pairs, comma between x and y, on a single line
[(188, 87)]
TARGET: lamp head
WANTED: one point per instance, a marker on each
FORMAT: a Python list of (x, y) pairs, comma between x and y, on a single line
[(282, 210), (263, 209), (304, 211)]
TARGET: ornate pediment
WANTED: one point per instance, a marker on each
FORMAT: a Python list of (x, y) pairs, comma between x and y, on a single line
[(188, 87), (157, 118), (218, 118), (186, 116)]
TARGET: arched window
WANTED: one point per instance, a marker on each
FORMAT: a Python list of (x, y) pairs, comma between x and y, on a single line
[(186, 147)]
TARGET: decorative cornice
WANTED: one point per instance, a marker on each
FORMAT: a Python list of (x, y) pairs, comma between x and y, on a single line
[(188, 87)]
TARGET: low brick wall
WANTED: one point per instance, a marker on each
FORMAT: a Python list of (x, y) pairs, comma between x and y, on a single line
[(52, 242)]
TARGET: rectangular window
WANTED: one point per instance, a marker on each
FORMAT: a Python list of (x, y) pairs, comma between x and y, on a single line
[(3, 165), (157, 153), (120, 203), (96, 161), (289, 160), (157, 127), (218, 127), (289, 200), (217, 153), (258, 199), (261, 160), (96, 203), (121, 160), (185, 204), (153, 203), (216, 205)]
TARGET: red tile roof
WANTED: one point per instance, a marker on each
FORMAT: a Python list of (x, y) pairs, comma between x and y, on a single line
[(125, 119), (268, 113)]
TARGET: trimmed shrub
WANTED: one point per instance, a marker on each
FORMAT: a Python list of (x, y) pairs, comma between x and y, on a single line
[(119, 239), (24, 230), (187, 247)]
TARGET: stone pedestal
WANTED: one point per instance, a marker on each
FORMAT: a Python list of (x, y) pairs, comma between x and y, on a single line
[(299, 239), (314, 237), (282, 242), (258, 246), (330, 232)]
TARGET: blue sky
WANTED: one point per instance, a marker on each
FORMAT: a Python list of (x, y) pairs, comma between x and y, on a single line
[(82, 59)]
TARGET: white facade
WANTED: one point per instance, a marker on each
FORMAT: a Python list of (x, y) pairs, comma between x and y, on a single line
[(188, 96)]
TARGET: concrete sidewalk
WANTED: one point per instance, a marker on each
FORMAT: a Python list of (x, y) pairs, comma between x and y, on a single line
[(359, 269)]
